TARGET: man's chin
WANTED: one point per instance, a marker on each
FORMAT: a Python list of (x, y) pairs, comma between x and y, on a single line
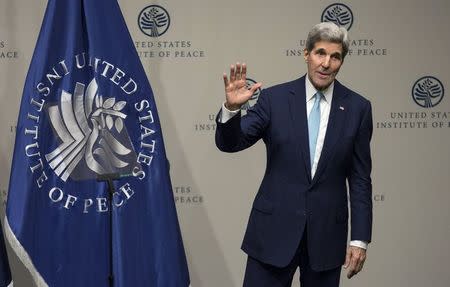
[(321, 85)]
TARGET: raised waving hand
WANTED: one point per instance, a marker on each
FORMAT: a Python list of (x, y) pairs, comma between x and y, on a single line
[(236, 91)]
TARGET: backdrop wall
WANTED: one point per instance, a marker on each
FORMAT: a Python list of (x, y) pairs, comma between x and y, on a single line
[(399, 50)]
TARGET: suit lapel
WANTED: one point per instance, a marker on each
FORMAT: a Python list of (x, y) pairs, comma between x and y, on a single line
[(297, 106), (334, 128)]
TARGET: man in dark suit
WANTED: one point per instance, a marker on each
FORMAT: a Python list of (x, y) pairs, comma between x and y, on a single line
[(317, 134)]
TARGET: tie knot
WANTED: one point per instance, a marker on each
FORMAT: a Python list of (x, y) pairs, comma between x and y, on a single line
[(318, 96)]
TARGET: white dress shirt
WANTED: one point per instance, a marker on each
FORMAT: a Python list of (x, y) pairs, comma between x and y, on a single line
[(325, 107)]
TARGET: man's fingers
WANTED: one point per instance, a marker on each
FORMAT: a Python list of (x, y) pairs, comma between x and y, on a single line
[(360, 257), (255, 87), (225, 80), (352, 267), (353, 262), (359, 266), (244, 72), (232, 73), (347, 258), (238, 71), (350, 274), (361, 261), (356, 261)]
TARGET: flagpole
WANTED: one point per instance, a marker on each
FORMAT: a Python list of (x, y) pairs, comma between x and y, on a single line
[(109, 178)]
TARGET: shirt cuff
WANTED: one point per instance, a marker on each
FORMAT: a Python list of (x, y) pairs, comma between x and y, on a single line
[(359, 243), (226, 114)]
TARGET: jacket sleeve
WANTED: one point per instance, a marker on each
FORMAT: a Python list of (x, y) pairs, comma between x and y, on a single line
[(239, 133), (360, 183)]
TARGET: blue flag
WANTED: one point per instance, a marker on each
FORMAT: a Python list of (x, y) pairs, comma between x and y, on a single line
[(5, 273), (88, 113)]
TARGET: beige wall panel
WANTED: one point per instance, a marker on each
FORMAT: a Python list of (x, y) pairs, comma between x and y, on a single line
[(395, 44)]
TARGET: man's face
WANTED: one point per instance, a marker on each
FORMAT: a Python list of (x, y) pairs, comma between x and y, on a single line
[(324, 62)]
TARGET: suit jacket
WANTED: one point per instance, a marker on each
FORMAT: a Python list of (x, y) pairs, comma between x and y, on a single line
[(289, 200)]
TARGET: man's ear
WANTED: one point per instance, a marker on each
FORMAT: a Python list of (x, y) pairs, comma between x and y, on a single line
[(305, 54)]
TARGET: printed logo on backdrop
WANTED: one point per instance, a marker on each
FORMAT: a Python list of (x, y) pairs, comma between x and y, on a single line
[(159, 41), (379, 197), (6, 52), (338, 13), (154, 21), (90, 129), (208, 125), (427, 93), (342, 15), (186, 195), (254, 98)]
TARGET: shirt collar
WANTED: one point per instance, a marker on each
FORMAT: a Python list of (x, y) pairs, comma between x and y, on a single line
[(311, 90)]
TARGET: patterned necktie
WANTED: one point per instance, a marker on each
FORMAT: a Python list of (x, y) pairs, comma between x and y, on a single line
[(313, 126)]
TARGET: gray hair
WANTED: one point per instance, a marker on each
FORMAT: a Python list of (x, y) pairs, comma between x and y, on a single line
[(330, 32)]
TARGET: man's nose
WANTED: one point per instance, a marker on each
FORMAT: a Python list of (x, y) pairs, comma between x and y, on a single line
[(326, 62)]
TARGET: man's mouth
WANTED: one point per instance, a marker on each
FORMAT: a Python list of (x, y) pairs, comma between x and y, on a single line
[(323, 75)]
